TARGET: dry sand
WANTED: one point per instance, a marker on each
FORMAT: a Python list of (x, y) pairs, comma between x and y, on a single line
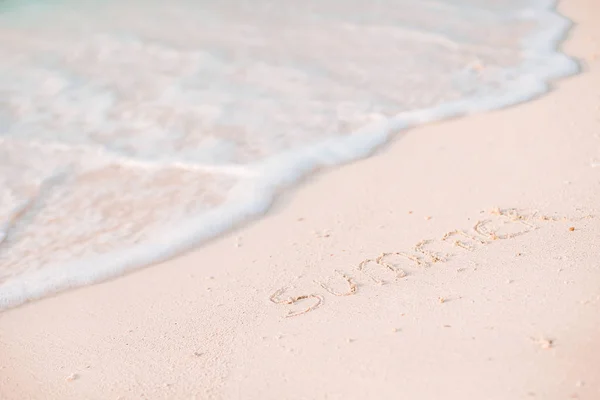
[(516, 317)]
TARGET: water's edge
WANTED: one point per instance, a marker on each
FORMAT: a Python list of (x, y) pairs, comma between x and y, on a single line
[(536, 74)]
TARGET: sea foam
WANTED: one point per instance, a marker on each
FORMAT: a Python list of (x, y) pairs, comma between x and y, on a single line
[(132, 131)]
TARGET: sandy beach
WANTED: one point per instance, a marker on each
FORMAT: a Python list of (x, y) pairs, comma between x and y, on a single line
[(459, 262)]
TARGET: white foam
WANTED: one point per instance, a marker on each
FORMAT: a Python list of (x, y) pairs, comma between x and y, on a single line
[(250, 184)]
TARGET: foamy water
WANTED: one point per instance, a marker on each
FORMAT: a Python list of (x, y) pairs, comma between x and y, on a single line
[(132, 130)]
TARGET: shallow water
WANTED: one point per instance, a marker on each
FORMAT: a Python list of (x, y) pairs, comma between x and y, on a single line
[(130, 130)]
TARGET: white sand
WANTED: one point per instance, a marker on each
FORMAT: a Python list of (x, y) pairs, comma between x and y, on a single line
[(520, 317)]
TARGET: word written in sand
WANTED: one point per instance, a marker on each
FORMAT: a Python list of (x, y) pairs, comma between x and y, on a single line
[(501, 225)]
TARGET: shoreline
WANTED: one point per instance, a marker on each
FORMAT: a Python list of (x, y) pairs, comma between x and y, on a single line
[(514, 318), (269, 182)]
